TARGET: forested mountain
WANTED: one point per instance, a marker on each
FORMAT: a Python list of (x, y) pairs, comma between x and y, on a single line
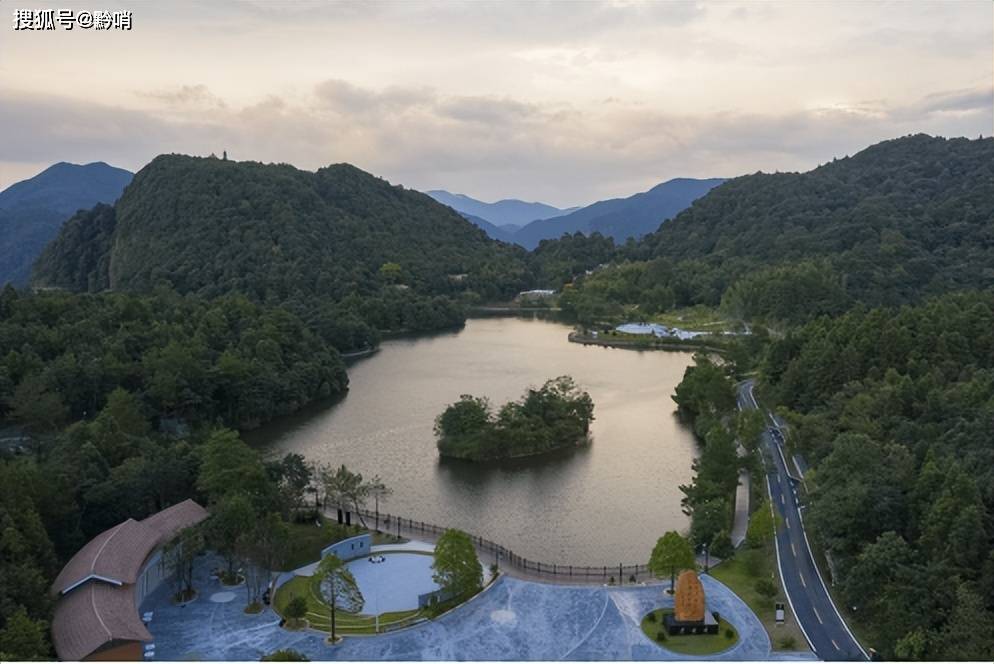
[(279, 235), (901, 219), (621, 218), (501, 213), (33, 210)]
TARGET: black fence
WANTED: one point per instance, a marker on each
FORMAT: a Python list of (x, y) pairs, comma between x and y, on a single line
[(507, 560)]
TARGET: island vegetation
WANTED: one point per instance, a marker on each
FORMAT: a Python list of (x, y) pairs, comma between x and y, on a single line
[(553, 417)]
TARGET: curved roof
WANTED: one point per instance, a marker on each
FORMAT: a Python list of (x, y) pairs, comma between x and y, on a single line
[(116, 555), (96, 599), (95, 614)]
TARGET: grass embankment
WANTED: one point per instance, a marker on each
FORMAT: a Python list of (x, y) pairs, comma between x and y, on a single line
[(740, 573), (689, 644), (307, 540), (318, 614), (697, 319)]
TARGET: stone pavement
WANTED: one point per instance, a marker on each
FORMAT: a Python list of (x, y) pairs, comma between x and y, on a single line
[(513, 619)]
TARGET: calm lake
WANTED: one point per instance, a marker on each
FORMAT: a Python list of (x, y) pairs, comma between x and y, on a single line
[(599, 505)]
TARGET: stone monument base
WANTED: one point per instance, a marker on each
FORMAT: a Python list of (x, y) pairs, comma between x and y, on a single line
[(675, 627)]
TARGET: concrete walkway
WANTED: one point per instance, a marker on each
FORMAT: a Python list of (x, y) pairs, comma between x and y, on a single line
[(740, 523), (513, 619)]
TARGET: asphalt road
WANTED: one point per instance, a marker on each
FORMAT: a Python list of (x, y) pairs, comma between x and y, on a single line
[(809, 600)]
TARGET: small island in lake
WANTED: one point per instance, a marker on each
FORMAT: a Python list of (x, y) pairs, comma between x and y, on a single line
[(556, 416)]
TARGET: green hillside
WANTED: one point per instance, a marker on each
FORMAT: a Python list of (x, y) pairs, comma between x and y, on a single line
[(899, 221)]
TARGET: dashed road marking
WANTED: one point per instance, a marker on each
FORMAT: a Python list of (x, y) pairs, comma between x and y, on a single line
[(836, 645), (793, 550), (803, 583), (817, 615)]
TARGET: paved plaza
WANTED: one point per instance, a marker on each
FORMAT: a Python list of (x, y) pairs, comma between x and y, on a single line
[(511, 620)]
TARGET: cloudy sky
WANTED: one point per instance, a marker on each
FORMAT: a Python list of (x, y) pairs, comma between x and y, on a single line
[(554, 101)]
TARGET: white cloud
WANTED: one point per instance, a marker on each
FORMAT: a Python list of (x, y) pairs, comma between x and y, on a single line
[(566, 102)]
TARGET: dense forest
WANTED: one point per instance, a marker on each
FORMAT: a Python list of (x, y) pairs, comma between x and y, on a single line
[(187, 360), (555, 416), (895, 410)]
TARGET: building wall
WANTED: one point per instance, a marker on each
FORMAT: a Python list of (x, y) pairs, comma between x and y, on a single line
[(117, 651), (353, 547), (153, 573)]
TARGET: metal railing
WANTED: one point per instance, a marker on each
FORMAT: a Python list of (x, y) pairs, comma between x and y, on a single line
[(509, 561)]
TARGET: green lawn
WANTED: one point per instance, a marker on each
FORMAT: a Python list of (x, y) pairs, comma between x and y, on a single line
[(736, 574), (318, 613), (689, 644)]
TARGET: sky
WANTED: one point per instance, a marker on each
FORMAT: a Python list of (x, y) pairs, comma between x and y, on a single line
[(562, 102)]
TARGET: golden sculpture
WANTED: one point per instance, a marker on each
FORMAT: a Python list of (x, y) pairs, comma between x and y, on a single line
[(688, 604)]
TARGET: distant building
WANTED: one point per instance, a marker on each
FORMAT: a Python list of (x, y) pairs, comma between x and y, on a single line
[(657, 330), (100, 589), (537, 294)]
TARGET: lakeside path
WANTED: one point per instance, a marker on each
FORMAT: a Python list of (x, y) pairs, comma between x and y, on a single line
[(513, 619)]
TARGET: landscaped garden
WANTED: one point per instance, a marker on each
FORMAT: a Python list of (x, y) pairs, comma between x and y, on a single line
[(688, 644), (317, 613)]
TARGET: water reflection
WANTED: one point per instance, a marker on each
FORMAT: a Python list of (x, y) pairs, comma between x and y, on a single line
[(604, 503)]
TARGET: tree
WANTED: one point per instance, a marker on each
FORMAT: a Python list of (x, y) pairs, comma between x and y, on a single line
[(379, 491), (231, 518), (23, 638), (296, 610), (762, 526), (231, 466), (292, 476), (672, 552), (37, 406), (457, 568), (338, 587), (967, 634), (346, 489), (179, 556), (263, 548)]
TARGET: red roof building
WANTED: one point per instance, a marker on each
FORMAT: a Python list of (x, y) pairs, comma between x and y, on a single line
[(101, 587)]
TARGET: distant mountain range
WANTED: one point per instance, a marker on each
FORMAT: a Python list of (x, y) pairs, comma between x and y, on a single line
[(32, 211), (502, 213), (618, 218), (621, 218)]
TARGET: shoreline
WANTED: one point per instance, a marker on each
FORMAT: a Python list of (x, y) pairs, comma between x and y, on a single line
[(639, 344)]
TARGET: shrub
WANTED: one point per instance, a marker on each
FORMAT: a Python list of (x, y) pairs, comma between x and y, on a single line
[(285, 655), (611, 581), (631, 579), (766, 587), (652, 616), (729, 633), (296, 608), (661, 635)]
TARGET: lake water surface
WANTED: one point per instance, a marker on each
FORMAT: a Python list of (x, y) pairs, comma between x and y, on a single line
[(599, 505)]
